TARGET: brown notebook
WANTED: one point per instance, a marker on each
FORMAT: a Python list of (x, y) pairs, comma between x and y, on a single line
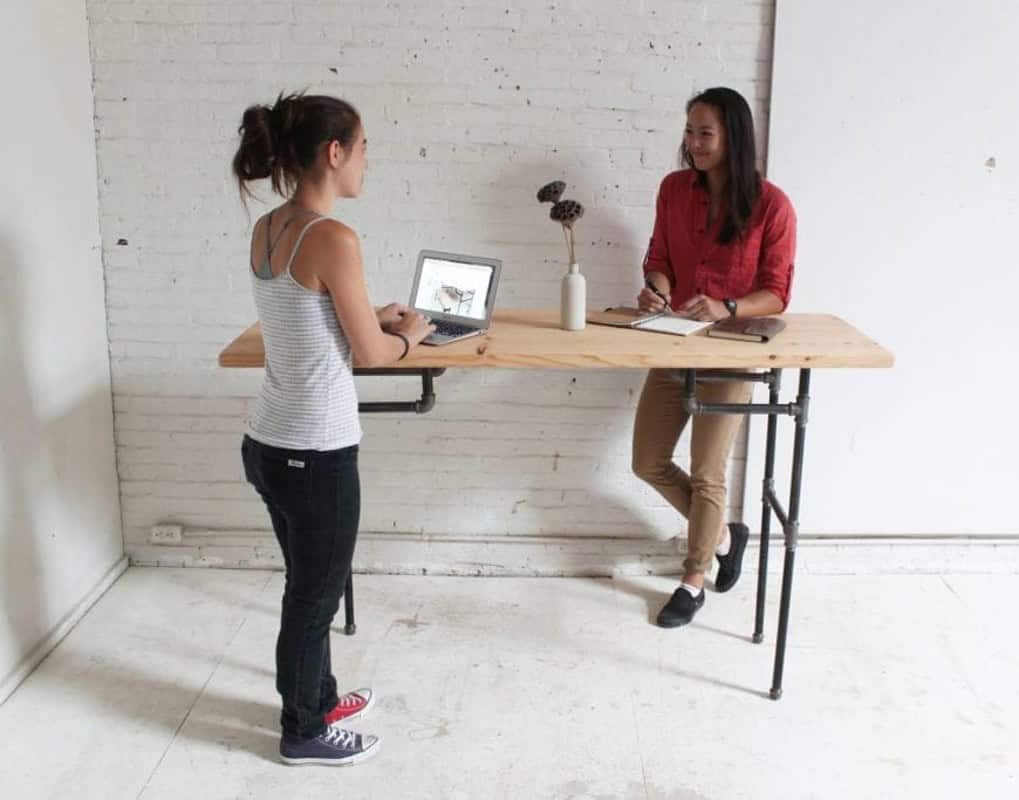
[(748, 329)]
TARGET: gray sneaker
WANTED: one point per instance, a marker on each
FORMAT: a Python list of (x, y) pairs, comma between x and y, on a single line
[(335, 746)]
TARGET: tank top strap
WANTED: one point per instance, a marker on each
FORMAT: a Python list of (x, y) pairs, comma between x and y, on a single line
[(297, 244)]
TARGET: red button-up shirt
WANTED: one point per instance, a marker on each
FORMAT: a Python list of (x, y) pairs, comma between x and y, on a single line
[(686, 249)]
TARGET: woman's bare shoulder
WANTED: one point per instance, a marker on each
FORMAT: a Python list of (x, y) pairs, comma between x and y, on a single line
[(333, 233), (330, 245)]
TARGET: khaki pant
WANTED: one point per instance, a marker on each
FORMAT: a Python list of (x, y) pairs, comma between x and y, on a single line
[(699, 496)]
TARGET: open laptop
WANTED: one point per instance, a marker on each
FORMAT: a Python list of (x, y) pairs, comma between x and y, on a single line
[(456, 292)]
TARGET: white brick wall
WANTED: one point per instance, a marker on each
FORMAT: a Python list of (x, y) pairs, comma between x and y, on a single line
[(469, 107)]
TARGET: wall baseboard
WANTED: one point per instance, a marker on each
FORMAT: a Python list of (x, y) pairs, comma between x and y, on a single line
[(11, 681), (395, 553)]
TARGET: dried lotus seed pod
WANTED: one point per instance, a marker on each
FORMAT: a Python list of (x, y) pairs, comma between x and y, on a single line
[(551, 192), (567, 212)]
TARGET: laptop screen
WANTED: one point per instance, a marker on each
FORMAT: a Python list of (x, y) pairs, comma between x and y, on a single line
[(451, 287)]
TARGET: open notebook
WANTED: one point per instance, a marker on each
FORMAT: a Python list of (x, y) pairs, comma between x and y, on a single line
[(662, 322)]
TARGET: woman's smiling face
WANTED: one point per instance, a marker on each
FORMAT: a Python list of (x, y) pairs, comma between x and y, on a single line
[(704, 138)]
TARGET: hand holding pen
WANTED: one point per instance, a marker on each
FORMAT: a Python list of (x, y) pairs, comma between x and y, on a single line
[(651, 299)]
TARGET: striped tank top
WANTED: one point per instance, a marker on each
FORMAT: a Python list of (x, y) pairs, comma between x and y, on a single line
[(308, 399)]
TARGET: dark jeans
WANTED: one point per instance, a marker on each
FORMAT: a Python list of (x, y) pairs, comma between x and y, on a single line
[(314, 501)]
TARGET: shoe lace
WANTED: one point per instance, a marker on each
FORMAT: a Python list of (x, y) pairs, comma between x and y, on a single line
[(348, 700), (340, 737)]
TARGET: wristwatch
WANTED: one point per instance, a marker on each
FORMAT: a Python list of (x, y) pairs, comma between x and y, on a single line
[(730, 306)]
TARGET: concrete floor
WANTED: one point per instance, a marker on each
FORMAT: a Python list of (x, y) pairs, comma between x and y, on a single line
[(493, 688)]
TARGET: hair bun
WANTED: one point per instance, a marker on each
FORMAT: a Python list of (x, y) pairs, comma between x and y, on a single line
[(257, 151)]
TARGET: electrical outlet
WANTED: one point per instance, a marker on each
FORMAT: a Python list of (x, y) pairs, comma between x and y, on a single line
[(166, 534)]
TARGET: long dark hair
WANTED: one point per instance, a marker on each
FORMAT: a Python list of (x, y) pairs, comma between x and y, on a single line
[(744, 184), (283, 141)]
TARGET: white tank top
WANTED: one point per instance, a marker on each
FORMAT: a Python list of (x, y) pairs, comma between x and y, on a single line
[(308, 399)]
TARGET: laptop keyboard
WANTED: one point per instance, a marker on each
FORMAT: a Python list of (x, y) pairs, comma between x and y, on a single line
[(451, 328)]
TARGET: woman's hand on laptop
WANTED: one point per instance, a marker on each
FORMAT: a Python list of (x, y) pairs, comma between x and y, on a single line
[(391, 314), (413, 325)]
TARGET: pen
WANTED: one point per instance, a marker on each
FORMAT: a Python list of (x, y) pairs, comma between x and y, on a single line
[(653, 288)]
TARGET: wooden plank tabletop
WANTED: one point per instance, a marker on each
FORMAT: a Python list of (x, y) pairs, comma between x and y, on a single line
[(532, 338)]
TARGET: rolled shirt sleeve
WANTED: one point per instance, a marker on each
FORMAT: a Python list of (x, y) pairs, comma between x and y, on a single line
[(778, 249)]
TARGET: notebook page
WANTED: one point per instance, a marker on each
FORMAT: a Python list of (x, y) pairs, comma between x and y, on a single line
[(680, 326)]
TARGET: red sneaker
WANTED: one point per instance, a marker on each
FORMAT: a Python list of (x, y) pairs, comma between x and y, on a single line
[(350, 706)]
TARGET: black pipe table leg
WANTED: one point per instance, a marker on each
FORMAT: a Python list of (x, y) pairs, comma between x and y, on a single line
[(792, 531), (348, 603), (768, 486)]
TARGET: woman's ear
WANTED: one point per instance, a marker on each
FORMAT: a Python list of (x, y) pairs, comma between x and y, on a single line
[(335, 154)]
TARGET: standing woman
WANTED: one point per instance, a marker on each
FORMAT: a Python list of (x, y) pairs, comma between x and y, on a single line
[(723, 246), (300, 451)]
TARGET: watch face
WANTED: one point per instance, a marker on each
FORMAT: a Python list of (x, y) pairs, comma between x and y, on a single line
[(730, 305)]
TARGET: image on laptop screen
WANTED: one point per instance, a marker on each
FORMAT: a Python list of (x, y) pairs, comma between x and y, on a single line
[(449, 287)]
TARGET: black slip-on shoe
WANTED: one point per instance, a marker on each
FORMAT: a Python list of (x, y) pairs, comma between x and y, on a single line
[(680, 608), (731, 564)]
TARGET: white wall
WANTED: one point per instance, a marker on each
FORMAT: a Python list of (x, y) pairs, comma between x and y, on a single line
[(895, 130), (60, 536), (469, 107)]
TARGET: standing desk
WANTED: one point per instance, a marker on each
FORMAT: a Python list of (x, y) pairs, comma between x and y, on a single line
[(532, 339)]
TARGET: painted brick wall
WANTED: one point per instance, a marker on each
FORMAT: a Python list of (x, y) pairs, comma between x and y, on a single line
[(469, 107)]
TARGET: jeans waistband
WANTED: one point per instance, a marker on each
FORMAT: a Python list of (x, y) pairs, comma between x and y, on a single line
[(304, 455)]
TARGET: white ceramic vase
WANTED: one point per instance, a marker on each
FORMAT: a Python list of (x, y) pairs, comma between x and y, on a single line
[(573, 305)]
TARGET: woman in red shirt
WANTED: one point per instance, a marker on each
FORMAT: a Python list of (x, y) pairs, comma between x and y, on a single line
[(723, 245)]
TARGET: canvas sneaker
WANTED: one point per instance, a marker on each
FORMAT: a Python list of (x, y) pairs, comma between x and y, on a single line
[(352, 705), (334, 747)]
